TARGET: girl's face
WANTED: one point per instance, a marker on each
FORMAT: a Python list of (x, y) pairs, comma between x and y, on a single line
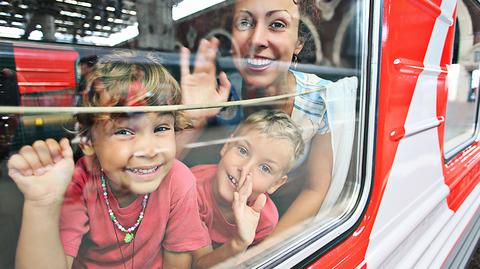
[(265, 37), (135, 152)]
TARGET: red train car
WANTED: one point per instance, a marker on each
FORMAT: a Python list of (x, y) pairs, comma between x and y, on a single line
[(405, 187)]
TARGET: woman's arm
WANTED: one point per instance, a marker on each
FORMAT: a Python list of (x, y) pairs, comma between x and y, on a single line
[(309, 201)]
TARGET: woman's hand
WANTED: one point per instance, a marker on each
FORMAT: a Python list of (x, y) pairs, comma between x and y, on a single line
[(43, 171), (246, 217), (200, 86)]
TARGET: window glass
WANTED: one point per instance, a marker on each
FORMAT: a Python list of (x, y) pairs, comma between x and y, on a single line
[(463, 78), (261, 100)]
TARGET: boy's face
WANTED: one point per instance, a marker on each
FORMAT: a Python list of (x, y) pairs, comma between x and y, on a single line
[(136, 152), (265, 158)]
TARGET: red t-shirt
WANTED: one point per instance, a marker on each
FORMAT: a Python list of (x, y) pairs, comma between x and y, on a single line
[(88, 234), (219, 228)]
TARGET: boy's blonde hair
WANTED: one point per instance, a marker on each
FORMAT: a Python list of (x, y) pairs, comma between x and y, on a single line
[(126, 78), (275, 124)]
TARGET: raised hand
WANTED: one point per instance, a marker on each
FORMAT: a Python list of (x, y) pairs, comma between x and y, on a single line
[(42, 171), (200, 86), (246, 217)]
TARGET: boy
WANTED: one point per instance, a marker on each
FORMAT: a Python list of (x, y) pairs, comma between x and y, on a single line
[(233, 194)]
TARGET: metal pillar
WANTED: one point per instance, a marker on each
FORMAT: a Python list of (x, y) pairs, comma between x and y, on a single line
[(155, 24)]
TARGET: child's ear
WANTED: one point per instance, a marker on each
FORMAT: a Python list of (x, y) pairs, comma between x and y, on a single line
[(225, 146), (277, 184), (86, 146)]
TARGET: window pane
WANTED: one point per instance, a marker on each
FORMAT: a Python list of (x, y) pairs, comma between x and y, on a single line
[(463, 78), (288, 75)]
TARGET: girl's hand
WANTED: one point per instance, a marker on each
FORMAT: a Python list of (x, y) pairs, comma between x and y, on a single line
[(200, 86), (246, 217), (42, 171)]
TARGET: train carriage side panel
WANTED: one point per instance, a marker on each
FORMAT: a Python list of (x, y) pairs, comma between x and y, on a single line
[(46, 76), (408, 158)]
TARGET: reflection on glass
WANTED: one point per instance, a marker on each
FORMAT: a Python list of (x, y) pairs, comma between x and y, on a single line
[(306, 53), (463, 80)]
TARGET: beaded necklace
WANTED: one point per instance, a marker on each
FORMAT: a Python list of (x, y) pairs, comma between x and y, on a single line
[(120, 248), (130, 232)]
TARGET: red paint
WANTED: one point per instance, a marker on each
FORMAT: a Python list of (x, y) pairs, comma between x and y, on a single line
[(462, 174), (49, 70), (44, 70), (395, 94)]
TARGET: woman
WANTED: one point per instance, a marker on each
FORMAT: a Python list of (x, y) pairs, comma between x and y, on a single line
[(266, 39)]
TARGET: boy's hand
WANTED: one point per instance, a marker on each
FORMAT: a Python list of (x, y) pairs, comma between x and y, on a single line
[(42, 171), (246, 217), (201, 87)]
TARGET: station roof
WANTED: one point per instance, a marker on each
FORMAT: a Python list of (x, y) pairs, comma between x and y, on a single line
[(84, 17)]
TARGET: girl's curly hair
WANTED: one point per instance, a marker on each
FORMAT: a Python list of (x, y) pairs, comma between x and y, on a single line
[(127, 78)]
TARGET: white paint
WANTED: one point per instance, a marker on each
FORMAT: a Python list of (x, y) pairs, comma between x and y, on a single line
[(415, 187), (413, 247), (452, 81), (440, 248)]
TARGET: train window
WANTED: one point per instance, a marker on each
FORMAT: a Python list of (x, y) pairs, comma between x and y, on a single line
[(263, 101), (463, 80)]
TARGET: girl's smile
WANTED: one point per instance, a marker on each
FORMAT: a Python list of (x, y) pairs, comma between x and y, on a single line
[(144, 173)]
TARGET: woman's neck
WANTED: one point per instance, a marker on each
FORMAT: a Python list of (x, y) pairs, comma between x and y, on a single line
[(283, 85)]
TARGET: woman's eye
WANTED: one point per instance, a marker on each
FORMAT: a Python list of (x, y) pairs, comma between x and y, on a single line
[(265, 168), (123, 132), (242, 151), (243, 24), (277, 25), (162, 128)]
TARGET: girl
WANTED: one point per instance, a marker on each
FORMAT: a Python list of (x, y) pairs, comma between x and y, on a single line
[(125, 204)]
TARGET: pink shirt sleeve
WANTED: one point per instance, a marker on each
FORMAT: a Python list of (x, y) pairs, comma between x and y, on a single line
[(185, 231), (74, 218)]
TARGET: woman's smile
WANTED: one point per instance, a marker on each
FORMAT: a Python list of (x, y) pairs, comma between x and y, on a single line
[(258, 64)]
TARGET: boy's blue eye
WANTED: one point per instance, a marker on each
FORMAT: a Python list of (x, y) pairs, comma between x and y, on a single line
[(162, 128), (265, 168), (123, 132), (242, 151)]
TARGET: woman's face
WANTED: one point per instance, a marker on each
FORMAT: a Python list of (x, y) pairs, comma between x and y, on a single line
[(265, 37)]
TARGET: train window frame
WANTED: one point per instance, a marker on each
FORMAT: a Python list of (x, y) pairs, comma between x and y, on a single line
[(300, 249), (317, 239), (453, 151)]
